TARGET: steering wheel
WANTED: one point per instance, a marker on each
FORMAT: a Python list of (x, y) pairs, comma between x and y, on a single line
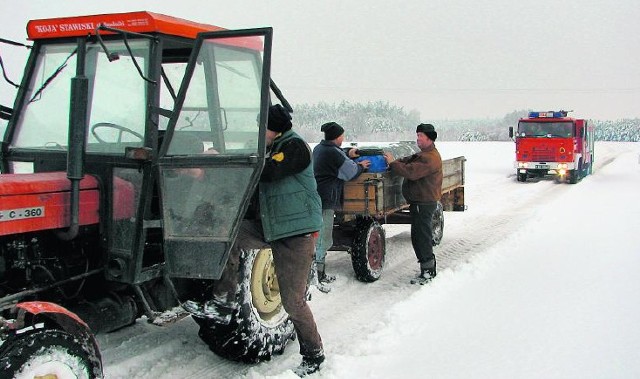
[(121, 129)]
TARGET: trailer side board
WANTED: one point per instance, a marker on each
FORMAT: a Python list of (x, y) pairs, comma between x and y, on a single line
[(380, 194)]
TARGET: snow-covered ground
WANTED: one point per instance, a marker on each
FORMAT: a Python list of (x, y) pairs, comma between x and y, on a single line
[(536, 280)]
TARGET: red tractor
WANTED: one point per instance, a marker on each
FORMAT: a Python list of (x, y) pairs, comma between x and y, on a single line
[(551, 143), (130, 156)]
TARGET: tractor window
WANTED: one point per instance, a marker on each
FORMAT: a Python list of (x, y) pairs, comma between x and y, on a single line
[(118, 97), (127, 184), (223, 100), (203, 201), (45, 117), (173, 74)]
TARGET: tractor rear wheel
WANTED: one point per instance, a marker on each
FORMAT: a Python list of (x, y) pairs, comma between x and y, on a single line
[(259, 326), (48, 353)]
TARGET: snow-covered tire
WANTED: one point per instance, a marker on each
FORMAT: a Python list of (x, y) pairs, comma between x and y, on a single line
[(45, 353), (368, 251), (437, 225), (522, 177), (259, 326)]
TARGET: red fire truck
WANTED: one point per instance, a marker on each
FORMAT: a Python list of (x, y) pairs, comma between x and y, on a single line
[(551, 143)]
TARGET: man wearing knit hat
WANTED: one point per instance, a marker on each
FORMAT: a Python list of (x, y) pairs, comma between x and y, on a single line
[(332, 167), (290, 215), (422, 188)]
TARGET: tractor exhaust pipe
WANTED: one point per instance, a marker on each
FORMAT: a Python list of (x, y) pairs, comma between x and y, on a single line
[(77, 140)]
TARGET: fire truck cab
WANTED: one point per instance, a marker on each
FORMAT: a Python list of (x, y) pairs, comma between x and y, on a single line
[(551, 143)]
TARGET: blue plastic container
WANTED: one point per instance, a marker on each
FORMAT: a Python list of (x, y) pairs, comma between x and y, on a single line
[(378, 163)]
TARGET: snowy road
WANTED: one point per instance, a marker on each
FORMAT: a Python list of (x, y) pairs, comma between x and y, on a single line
[(498, 206)]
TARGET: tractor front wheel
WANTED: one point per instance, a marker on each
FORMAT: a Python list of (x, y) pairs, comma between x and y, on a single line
[(48, 353)]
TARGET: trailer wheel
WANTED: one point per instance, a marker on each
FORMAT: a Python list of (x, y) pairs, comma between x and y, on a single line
[(368, 251), (437, 225), (259, 326), (48, 353)]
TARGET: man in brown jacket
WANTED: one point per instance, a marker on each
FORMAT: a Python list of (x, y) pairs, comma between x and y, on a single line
[(422, 188)]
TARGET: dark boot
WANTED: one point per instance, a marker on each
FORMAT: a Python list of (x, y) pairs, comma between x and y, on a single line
[(428, 269), (314, 280), (218, 309), (324, 278), (309, 365), (427, 273)]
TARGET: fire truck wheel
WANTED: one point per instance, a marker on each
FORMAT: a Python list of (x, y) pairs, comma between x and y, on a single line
[(368, 251), (259, 326), (573, 176), (437, 225), (584, 169), (48, 353), (522, 177)]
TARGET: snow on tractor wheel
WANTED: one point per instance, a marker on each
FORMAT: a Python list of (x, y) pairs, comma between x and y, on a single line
[(437, 225), (259, 326), (368, 251), (47, 353)]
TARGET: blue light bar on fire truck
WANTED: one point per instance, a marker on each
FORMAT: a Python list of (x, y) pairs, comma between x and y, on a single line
[(550, 114)]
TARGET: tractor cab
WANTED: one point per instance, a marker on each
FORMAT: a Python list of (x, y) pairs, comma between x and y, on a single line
[(168, 118)]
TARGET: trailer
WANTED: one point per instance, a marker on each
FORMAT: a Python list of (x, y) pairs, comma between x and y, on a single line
[(375, 199)]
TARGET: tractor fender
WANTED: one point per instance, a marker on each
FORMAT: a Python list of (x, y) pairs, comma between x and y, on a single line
[(31, 312)]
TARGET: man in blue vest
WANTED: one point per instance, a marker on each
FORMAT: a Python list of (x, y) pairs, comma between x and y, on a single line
[(332, 167)]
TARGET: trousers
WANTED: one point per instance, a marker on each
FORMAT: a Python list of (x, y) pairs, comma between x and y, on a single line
[(325, 240), (422, 232), (292, 257)]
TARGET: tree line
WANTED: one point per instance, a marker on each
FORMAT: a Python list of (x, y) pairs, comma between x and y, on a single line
[(382, 121)]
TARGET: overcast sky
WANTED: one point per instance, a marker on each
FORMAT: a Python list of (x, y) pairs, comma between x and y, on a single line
[(444, 58)]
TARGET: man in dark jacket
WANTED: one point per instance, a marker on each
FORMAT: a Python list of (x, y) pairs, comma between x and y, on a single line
[(422, 188), (289, 216), (332, 167)]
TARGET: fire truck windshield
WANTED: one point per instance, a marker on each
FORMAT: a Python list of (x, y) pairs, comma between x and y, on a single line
[(546, 129)]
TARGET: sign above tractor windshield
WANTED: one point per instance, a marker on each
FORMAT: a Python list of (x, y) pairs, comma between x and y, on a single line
[(138, 22), (133, 22)]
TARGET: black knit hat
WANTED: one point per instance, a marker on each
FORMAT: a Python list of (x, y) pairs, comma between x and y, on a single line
[(427, 129), (279, 119), (332, 130)]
